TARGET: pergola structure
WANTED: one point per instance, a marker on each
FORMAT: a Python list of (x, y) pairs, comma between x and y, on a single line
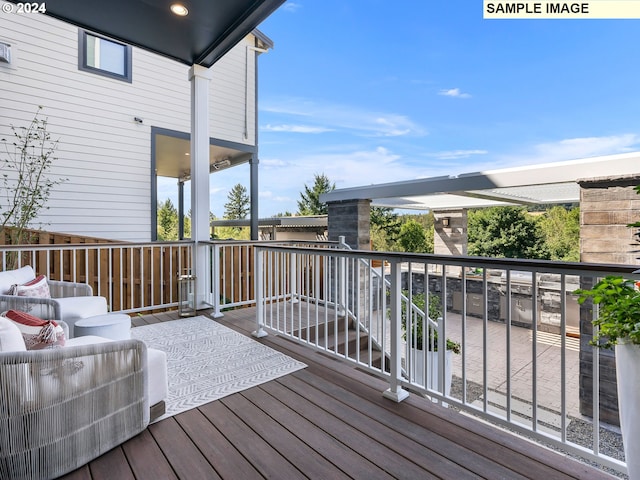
[(535, 184), (196, 33), (449, 196)]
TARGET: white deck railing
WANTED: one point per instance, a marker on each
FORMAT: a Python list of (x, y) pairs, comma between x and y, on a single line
[(231, 278), (132, 277), (528, 376), (540, 378)]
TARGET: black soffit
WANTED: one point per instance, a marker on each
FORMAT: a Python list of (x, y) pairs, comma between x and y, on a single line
[(211, 28)]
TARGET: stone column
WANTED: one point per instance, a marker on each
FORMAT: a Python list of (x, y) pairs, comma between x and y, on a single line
[(607, 206), (351, 218), (450, 239)]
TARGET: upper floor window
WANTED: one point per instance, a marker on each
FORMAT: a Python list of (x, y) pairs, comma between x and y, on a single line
[(103, 56)]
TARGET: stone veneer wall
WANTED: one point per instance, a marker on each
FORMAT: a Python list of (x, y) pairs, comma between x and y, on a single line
[(607, 206), (351, 219), (451, 240)]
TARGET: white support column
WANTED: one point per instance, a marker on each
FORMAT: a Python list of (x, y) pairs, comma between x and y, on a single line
[(200, 78)]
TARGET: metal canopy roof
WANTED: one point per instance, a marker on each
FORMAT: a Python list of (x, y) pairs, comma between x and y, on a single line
[(294, 221), (211, 28), (535, 184)]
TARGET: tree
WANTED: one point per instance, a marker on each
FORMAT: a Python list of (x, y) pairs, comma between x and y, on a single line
[(413, 237), (187, 225), (505, 232), (384, 229), (237, 206), (561, 228), (310, 199), (167, 221), (25, 175)]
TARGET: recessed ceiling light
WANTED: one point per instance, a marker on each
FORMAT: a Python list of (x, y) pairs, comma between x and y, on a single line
[(179, 9)]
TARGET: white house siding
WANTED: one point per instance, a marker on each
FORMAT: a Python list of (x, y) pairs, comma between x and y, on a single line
[(103, 154)]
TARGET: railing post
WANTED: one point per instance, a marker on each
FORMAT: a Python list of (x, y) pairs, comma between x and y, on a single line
[(395, 391), (442, 356), (259, 289), (342, 280), (216, 282), (293, 277)]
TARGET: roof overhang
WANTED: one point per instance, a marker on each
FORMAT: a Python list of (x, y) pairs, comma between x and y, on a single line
[(293, 221), (535, 184), (173, 156), (211, 28)]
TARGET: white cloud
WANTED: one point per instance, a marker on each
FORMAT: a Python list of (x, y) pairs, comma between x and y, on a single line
[(574, 148), (456, 154), (291, 6), (569, 149), (272, 162), (454, 92), (344, 118), (295, 128), (346, 169)]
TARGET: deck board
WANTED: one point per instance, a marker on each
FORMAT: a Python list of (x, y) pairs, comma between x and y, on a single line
[(112, 464), (280, 438), (328, 420), (287, 408), (257, 450), (221, 453), (185, 458)]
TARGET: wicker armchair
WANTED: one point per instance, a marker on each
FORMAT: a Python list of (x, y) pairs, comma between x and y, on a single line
[(69, 301), (61, 408)]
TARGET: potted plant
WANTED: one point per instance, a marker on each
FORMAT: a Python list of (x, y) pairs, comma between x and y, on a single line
[(413, 324), (618, 325)]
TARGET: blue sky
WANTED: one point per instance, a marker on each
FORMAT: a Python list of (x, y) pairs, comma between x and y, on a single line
[(374, 91)]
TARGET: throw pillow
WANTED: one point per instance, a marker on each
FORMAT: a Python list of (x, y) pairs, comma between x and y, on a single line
[(38, 287), (36, 333), (10, 337)]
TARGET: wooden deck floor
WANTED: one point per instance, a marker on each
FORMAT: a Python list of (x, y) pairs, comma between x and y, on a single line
[(327, 421)]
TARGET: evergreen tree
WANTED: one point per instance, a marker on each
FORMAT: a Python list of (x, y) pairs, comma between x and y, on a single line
[(237, 206), (167, 221), (386, 220), (505, 232), (310, 199), (187, 225)]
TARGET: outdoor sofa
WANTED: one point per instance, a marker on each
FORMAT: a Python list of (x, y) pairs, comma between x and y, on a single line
[(61, 407), (66, 301)]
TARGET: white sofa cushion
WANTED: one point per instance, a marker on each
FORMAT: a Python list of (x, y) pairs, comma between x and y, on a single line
[(10, 337), (10, 278), (75, 308), (158, 376), (86, 340), (156, 365)]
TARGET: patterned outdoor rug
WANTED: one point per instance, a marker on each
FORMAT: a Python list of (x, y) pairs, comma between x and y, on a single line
[(207, 361)]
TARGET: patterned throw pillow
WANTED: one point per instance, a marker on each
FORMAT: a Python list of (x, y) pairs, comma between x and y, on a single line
[(37, 333), (38, 287)]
